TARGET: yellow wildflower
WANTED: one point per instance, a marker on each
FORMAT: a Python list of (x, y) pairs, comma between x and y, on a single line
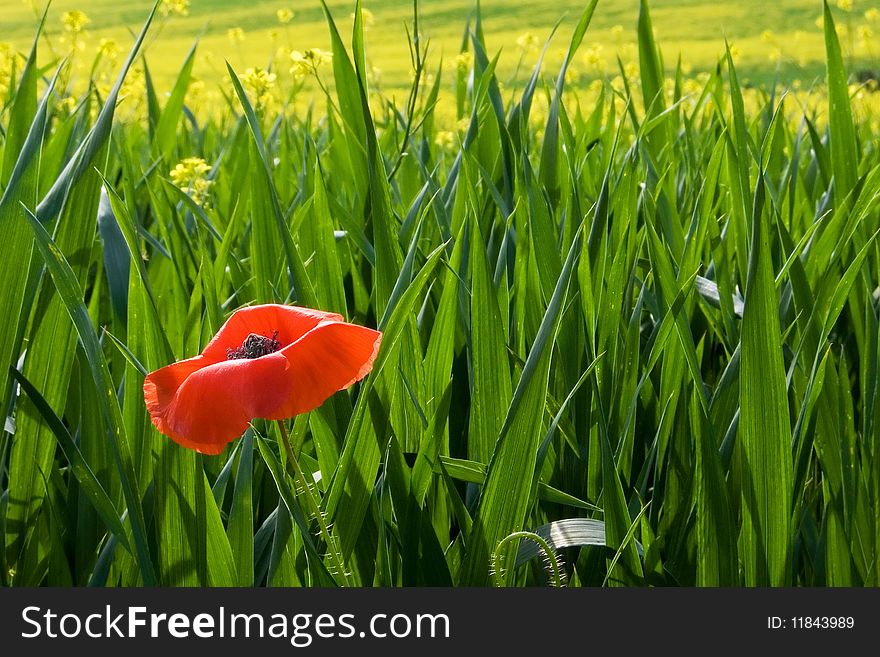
[(318, 57), (845, 5), (594, 60), (236, 35), (174, 8), (260, 84), (284, 15), (307, 62), (135, 85), (301, 66), (528, 42), (75, 21), (108, 48), (872, 15), (866, 38), (7, 56), (445, 139), (189, 175)]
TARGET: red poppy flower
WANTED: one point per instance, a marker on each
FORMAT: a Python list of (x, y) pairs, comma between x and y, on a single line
[(267, 361)]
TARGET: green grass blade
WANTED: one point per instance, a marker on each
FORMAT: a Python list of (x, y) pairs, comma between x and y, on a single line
[(491, 389), (166, 128), (844, 149), (241, 515), (764, 429)]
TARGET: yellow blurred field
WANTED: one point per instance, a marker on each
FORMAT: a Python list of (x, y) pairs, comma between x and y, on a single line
[(769, 38)]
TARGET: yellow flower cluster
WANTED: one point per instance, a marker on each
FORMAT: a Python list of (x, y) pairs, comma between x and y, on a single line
[(107, 48), (134, 91), (190, 175), (236, 35), (174, 8), (260, 85), (306, 63), (528, 42), (866, 107), (445, 140), (284, 15), (74, 24), (75, 21), (594, 60), (7, 56)]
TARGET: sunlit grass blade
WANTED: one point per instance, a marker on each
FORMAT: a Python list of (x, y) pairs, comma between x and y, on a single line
[(764, 429), (166, 127), (844, 156)]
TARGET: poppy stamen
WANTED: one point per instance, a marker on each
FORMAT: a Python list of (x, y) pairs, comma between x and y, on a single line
[(254, 346)]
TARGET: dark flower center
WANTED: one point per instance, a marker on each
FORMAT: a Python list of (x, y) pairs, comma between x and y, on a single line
[(255, 346)]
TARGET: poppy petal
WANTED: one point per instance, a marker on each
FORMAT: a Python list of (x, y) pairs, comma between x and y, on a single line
[(161, 386), (207, 407), (291, 322), (325, 360)]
